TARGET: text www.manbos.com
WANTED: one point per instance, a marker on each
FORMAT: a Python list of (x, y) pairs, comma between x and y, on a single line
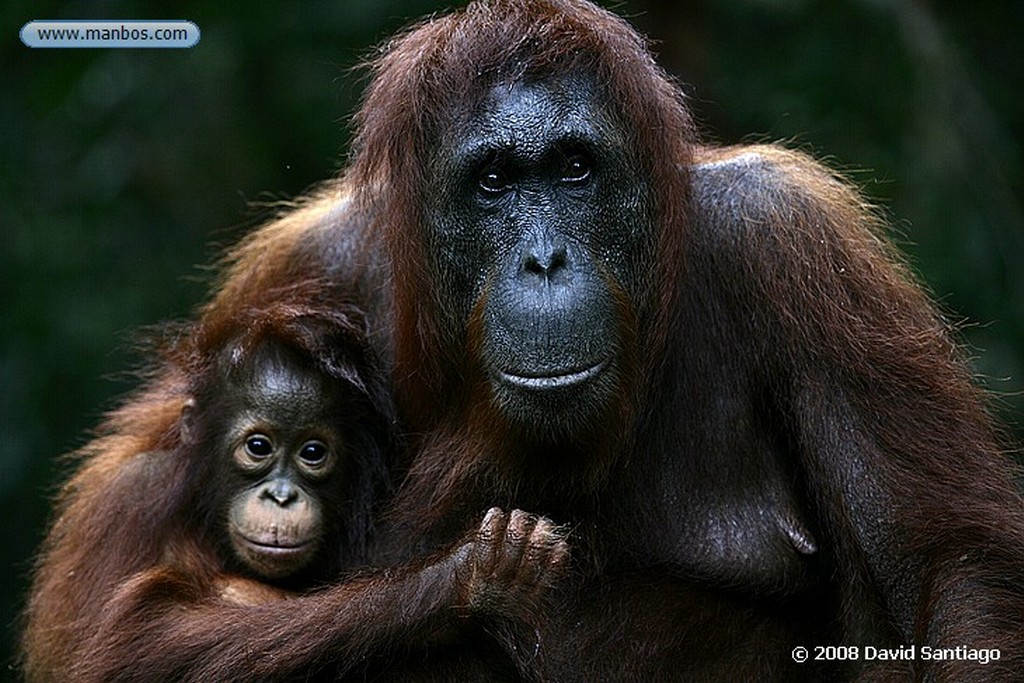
[(108, 34)]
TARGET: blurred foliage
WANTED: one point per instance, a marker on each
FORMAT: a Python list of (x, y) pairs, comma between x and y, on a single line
[(124, 169)]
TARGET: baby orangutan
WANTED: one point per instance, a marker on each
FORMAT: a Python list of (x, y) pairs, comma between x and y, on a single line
[(247, 539)]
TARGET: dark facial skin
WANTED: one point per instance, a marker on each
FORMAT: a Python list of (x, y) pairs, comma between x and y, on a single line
[(541, 235), (286, 458)]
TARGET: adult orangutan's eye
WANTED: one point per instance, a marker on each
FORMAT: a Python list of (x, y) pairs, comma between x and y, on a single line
[(577, 169), (493, 180)]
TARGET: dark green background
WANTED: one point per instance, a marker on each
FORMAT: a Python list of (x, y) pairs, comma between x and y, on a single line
[(122, 171)]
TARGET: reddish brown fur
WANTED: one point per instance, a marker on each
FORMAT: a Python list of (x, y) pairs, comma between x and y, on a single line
[(894, 435), (438, 71), (428, 78), (893, 459), (128, 551), (92, 507), (133, 585)]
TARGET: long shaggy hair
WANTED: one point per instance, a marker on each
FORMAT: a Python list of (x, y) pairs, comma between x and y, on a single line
[(427, 79)]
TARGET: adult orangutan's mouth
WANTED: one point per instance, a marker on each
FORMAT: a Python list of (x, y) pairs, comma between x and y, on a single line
[(555, 380)]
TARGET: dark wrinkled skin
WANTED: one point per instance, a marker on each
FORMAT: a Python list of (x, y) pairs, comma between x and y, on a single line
[(534, 228)]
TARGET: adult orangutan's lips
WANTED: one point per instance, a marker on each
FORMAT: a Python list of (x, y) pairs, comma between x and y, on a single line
[(275, 549), (554, 380)]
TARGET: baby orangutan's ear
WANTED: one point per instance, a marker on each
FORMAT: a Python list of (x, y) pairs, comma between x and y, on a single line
[(186, 423)]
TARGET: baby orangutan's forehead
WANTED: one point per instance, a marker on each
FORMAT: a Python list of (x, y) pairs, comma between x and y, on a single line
[(290, 392)]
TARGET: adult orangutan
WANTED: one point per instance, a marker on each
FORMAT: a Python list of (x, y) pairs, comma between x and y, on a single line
[(708, 361)]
